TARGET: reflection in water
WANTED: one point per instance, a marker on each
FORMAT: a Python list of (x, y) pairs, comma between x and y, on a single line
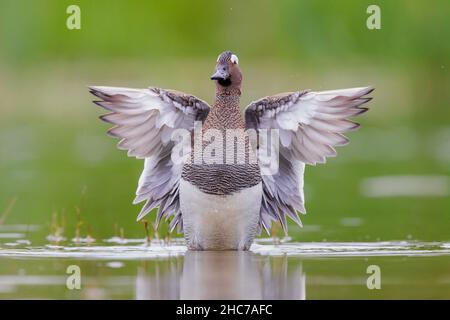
[(336, 271), (160, 280), (221, 275), (281, 281)]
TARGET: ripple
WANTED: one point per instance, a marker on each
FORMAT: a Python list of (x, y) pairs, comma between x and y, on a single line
[(310, 249), (96, 252), (356, 249)]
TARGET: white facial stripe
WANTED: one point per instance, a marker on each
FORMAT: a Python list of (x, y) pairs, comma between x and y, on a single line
[(234, 59), (218, 58)]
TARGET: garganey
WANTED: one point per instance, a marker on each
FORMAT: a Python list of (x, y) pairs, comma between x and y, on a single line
[(222, 194)]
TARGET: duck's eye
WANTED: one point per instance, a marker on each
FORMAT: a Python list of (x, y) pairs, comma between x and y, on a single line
[(234, 59)]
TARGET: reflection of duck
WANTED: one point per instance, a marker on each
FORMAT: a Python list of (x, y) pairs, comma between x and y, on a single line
[(221, 275)]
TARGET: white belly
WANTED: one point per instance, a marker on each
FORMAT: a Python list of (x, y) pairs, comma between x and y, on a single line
[(214, 222)]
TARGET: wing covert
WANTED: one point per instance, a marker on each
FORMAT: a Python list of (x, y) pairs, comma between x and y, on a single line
[(310, 125), (144, 120)]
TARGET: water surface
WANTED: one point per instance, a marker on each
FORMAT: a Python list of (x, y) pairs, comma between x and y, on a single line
[(134, 269)]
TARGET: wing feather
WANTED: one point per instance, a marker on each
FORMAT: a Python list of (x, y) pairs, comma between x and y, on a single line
[(311, 125), (144, 120)]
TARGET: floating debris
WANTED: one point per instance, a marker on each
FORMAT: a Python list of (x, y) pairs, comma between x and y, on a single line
[(83, 240), (23, 242), (55, 238)]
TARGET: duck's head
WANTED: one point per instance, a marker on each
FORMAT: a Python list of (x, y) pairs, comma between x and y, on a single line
[(227, 73)]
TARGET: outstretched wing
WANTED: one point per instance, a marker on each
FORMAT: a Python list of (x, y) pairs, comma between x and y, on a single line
[(310, 125), (144, 120)]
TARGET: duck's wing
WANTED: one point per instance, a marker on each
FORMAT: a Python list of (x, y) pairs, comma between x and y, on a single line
[(144, 121), (310, 124)]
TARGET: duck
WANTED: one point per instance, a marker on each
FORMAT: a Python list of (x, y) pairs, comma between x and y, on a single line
[(222, 195)]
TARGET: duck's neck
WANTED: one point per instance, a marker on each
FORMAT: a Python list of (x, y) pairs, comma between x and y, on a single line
[(226, 112)]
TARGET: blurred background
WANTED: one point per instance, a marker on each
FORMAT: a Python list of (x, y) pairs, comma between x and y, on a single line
[(390, 183)]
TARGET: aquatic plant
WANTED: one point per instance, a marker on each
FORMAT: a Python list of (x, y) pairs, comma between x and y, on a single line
[(8, 210)]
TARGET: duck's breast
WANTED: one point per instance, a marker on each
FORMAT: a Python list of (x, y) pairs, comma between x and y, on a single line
[(219, 222)]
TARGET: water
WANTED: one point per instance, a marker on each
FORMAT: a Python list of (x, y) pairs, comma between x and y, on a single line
[(59, 170), (119, 268), (58, 167), (383, 186)]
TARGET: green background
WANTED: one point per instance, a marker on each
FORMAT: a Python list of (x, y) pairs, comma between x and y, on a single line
[(55, 156)]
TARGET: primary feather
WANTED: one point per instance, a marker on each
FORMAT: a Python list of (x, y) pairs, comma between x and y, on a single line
[(311, 124), (144, 120)]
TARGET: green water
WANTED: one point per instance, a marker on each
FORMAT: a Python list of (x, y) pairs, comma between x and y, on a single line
[(287, 271), (61, 175)]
